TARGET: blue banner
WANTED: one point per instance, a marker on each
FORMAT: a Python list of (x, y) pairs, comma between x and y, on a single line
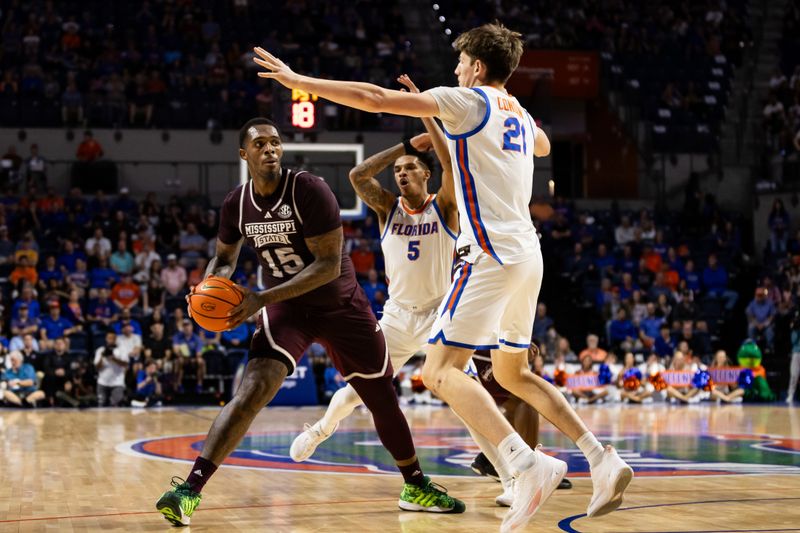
[(299, 388)]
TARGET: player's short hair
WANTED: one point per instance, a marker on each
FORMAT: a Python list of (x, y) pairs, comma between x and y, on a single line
[(425, 159), (498, 47), (255, 122)]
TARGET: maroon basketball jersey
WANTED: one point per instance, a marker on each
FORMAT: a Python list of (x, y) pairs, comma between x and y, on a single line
[(277, 225)]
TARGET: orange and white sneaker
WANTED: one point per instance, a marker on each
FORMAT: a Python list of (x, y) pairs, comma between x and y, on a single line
[(610, 479), (532, 488)]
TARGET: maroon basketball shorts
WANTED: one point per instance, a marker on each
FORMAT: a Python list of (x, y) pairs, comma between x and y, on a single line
[(483, 365), (350, 333)]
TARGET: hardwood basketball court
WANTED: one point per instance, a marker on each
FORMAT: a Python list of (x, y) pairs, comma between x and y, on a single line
[(703, 468)]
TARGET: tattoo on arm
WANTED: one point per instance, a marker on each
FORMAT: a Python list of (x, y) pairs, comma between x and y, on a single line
[(326, 267), (224, 261), (367, 187)]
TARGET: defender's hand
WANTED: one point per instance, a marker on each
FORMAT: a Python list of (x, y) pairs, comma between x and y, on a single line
[(422, 142), (406, 81), (275, 69)]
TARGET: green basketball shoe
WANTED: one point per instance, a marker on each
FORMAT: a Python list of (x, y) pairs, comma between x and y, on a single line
[(178, 505), (430, 498)]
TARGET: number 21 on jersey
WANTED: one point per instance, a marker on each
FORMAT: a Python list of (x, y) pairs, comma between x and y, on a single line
[(513, 130)]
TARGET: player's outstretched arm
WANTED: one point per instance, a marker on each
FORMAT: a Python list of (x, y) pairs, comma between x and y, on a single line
[(326, 267), (358, 95), (446, 196)]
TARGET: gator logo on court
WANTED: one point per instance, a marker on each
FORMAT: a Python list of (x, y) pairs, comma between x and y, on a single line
[(449, 452)]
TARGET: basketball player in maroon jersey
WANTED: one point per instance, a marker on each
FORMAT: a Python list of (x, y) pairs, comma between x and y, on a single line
[(291, 218)]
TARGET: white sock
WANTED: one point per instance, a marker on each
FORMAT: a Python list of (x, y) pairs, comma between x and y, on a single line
[(517, 455), (342, 404), (591, 448), (492, 454)]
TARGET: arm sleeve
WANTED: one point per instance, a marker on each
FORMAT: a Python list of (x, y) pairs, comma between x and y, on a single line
[(460, 109), (317, 206), (229, 231)]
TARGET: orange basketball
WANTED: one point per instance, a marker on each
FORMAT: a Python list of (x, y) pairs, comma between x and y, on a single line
[(212, 300)]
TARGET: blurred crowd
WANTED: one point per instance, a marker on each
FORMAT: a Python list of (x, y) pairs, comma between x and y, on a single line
[(781, 111), (185, 64)]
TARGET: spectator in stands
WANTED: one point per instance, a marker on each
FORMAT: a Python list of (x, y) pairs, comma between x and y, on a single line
[(89, 150), (174, 277), (236, 337), (622, 332), (371, 285), (577, 264), (102, 276), (124, 203), (80, 277), (73, 309), (628, 263), (564, 351), (23, 271), (126, 318), (111, 364), (125, 293), (10, 165), (187, 347), (157, 347), (72, 105), (22, 325), (593, 350), (78, 390), (715, 283), (363, 259), (198, 273), (625, 232), (121, 260), (6, 248), (50, 271), (692, 278), (148, 386), (54, 326), (192, 245), (779, 223), (761, 317), (603, 262), (542, 322), (28, 300), (98, 245), (21, 383), (34, 170), (144, 260), (650, 326), (56, 369), (102, 312)]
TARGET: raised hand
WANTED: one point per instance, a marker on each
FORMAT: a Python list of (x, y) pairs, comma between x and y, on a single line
[(404, 80), (421, 142), (275, 69)]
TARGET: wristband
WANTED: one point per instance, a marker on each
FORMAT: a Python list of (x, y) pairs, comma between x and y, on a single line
[(410, 150)]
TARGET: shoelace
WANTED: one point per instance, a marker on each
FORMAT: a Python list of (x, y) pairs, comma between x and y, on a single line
[(438, 487), (311, 429), (178, 483)]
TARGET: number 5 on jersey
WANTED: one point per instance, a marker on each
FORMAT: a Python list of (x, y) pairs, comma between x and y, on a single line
[(283, 261), (413, 250)]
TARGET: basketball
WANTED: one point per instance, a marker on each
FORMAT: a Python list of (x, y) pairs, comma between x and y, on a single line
[(212, 300)]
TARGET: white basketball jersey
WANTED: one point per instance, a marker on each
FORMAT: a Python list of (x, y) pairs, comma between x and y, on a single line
[(493, 169), (418, 250)]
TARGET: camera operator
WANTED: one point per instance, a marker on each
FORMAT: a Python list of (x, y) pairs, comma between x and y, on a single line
[(111, 363)]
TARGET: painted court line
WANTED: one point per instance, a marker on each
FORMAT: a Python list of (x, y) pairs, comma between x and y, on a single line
[(566, 523)]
